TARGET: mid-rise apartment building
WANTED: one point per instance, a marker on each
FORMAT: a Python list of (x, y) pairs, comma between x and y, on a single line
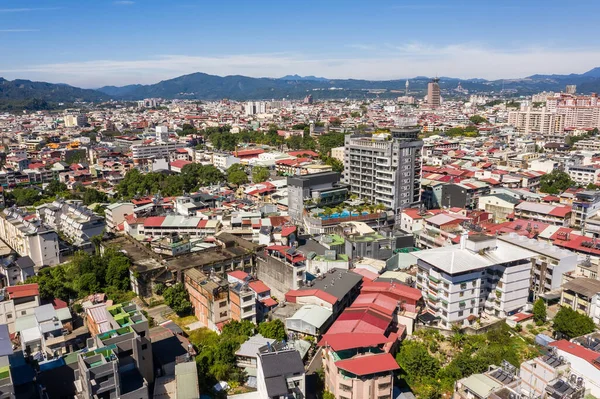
[(117, 363), (537, 120), (28, 236), (550, 265), (385, 169), (584, 174), (481, 274), (154, 150), (73, 219), (314, 190)]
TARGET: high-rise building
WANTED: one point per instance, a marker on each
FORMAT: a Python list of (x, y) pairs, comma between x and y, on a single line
[(571, 89), (433, 93), (385, 169), (537, 120)]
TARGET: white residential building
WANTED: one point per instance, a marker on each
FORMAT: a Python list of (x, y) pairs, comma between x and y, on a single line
[(154, 150), (28, 236), (77, 222), (224, 161), (115, 214), (584, 174), (551, 263), (534, 120), (481, 274)]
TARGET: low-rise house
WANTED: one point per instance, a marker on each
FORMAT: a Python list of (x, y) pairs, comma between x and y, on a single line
[(280, 373), (583, 295)]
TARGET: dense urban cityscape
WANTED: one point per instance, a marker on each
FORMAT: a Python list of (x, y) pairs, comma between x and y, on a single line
[(299, 237)]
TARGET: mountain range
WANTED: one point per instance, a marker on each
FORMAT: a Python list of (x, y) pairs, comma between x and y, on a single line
[(202, 86)]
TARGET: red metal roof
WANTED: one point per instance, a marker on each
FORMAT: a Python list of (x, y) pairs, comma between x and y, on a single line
[(343, 341), (180, 163), (399, 290), (368, 364), (291, 295), (23, 291), (287, 230), (258, 286), (154, 221), (575, 350), (239, 274), (269, 302)]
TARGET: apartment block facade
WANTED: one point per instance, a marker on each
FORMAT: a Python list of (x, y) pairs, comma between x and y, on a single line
[(385, 169), (28, 236), (481, 274)]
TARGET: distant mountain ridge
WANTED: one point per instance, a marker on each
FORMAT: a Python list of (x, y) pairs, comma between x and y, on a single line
[(202, 86)]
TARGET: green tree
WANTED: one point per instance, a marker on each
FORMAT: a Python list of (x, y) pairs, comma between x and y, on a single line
[(178, 299), (539, 311), (187, 129), (272, 329), (555, 182), (416, 360), (477, 119), (260, 174), (329, 141), (54, 188), (23, 196), (572, 323), (294, 142), (591, 186), (236, 174)]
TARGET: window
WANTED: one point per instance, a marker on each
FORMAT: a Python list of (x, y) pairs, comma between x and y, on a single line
[(9, 316), (460, 313), (23, 312), (461, 293)]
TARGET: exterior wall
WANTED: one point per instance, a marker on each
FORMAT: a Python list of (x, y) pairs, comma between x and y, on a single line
[(116, 215), (582, 368), (356, 388), (279, 276), (384, 172)]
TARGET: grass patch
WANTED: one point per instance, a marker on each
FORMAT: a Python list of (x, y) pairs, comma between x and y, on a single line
[(182, 321)]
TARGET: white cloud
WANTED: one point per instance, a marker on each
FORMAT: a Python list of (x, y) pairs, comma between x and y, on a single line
[(365, 62)]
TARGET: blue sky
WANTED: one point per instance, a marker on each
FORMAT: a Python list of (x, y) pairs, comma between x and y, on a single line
[(91, 43)]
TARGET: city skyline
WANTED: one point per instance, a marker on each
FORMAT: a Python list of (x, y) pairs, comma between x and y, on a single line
[(145, 42)]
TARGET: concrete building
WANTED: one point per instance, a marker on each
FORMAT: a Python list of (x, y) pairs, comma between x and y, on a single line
[(338, 153), (7, 389), (481, 274), (584, 174), (536, 120), (551, 263), (385, 169), (555, 215), (209, 297), (280, 373), (118, 363), (282, 268), (73, 219), (318, 189), (582, 294), (75, 120), (115, 214), (433, 93), (154, 150), (29, 237), (499, 205), (224, 161), (18, 302), (539, 373)]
